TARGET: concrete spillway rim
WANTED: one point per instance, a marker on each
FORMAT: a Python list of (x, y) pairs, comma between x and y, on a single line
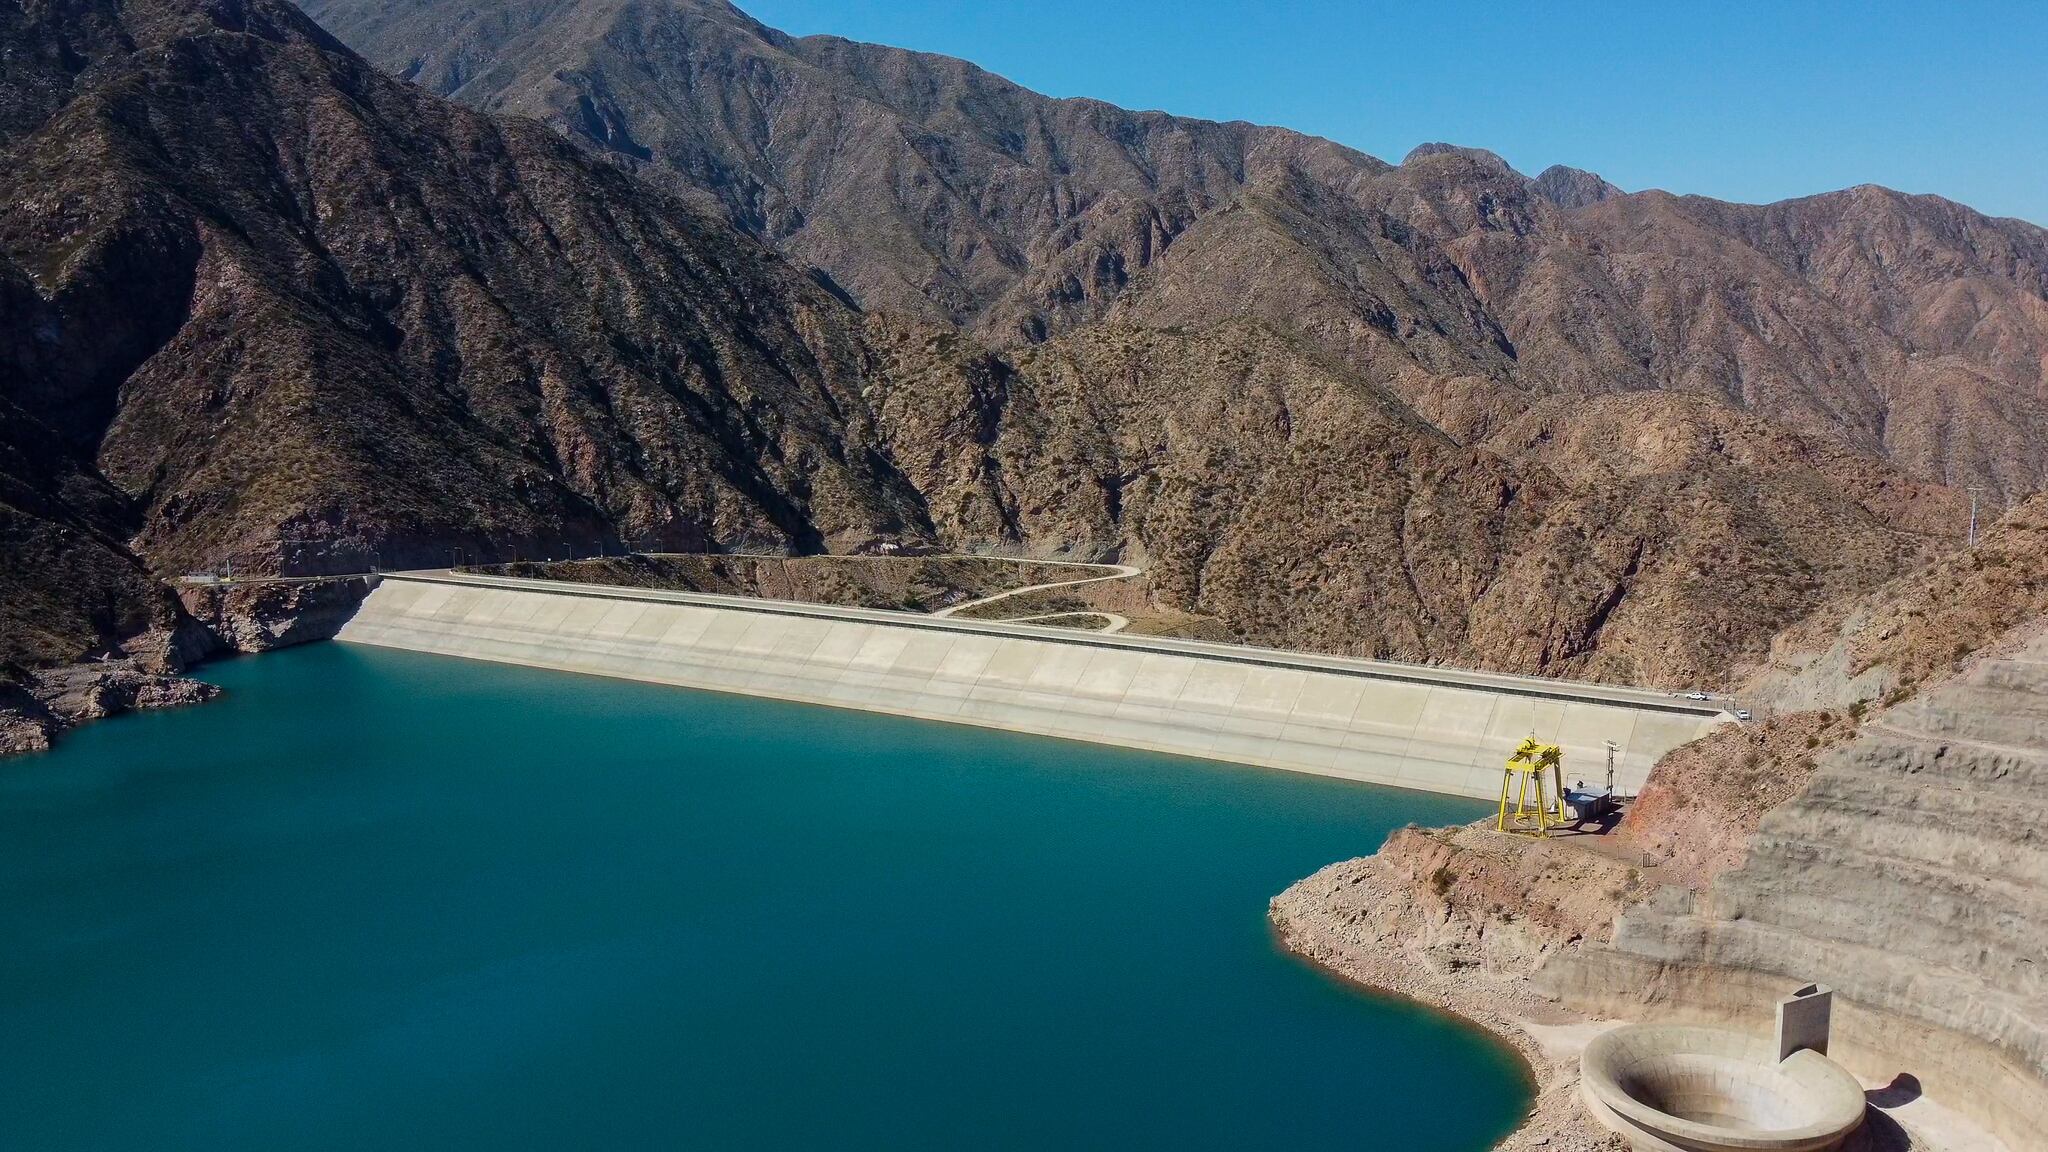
[(1829, 1099)]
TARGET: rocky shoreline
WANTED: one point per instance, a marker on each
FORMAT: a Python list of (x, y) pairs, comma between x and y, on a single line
[(1428, 918), (1471, 921), (38, 704), (44, 703)]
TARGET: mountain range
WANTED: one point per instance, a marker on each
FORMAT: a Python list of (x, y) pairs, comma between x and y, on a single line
[(645, 272)]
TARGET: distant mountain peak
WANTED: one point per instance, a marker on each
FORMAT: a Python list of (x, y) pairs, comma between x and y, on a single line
[(1569, 187), (1479, 156)]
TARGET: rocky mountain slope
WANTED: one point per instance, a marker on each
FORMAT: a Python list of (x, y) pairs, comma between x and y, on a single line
[(1917, 629), (1901, 325), (71, 581), (914, 181), (1265, 484), (285, 302), (263, 303)]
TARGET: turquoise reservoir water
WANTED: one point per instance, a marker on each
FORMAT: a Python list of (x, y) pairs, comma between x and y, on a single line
[(375, 900)]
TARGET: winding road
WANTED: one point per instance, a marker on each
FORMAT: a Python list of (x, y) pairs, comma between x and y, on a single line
[(1116, 623)]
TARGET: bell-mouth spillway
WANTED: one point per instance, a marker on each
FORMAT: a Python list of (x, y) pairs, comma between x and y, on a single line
[(1412, 726), (1681, 1088)]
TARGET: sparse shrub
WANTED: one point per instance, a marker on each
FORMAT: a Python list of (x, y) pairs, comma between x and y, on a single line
[(1440, 881)]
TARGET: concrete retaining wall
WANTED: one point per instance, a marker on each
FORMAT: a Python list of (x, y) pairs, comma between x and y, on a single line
[(1413, 727)]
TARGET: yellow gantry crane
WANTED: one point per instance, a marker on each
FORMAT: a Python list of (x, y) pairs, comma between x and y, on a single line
[(1538, 802)]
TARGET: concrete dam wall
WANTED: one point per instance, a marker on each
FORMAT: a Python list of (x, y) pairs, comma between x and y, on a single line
[(1430, 729)]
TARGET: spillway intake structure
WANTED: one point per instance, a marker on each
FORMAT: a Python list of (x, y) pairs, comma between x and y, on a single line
[(1687, 1088)]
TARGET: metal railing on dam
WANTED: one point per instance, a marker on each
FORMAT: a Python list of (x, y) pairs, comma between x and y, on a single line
[(1411, 726)]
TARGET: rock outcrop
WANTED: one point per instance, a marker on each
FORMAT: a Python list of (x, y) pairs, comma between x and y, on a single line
[(1916, 630), (38, 702), (265, 615), (1699, 810), (311, 319), (50, 700)]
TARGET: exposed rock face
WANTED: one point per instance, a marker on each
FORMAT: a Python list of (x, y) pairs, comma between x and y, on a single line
[(1910, 875), (1573, 187), (1699, 811), (1267, 487), (72, 588), (264, 616), (1470, 899), (1917, 629), (50, 700), (1893, 855), (36, 703), (914, 181), (302, 312)]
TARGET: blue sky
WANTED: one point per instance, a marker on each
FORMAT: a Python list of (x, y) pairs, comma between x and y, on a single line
[(1743, 101)]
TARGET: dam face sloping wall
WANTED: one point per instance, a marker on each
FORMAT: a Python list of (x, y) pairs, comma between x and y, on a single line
[(1427, 729)]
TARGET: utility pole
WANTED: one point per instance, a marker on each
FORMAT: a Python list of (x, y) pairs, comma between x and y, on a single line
[(1974, 489)]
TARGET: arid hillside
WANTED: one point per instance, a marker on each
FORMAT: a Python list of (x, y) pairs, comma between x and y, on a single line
[(1906, 326), (1916, 630), (262, 303), (1264, 484)]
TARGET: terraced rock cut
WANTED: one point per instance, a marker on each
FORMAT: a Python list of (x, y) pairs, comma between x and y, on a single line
[(1911, 874)]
